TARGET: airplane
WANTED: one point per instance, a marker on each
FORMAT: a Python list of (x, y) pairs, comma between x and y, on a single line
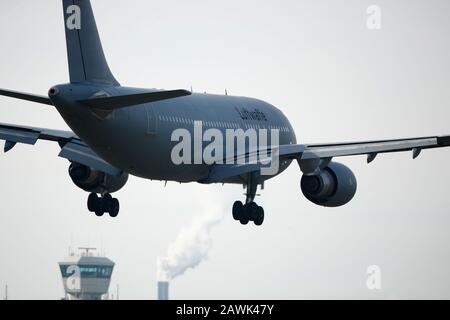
[(119, 131)]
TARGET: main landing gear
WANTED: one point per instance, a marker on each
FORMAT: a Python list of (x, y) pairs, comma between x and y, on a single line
[(249, 211), (103, 204)]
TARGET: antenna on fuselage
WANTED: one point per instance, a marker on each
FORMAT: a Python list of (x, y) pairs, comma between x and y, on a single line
[(226, 91)]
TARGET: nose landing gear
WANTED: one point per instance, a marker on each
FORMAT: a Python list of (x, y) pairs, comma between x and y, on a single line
[(103, 204)]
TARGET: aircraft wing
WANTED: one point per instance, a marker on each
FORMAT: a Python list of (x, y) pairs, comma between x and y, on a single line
[(72, 147), (372, 148), (316, 152)]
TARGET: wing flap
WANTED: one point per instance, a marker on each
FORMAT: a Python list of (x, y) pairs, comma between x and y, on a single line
[(29, 135), (372, 148), (222, 172), (349, 149), (84, 155), (15, 136), (72, 148)]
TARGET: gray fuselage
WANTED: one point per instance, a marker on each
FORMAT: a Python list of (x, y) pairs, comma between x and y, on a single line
[(138, 139)]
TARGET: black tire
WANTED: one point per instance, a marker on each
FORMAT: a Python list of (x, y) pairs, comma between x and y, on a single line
[(244, 221), (259, 219), (107, 198), (251, 211), (93, 202), (114, 208), (99, 212), (103, 205), (238, 208)]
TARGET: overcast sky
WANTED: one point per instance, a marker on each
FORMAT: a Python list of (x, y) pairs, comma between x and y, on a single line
[(315, 60)]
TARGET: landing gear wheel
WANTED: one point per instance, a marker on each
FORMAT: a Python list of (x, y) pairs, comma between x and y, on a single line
[(244, 221), (114, 208), (93, 202), (251, 209), (104, 204), (259, 219), (246, 214), (249, 212), (238, 209)]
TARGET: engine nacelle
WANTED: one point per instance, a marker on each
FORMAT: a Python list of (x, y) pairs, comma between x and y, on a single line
[(333, 186), (96, 181)]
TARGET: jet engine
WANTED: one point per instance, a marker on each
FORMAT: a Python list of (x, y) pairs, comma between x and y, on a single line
[(96, 181), (333, 186)]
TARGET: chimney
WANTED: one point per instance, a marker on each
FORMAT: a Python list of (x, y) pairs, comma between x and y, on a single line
[(163, 278), (163, 290)]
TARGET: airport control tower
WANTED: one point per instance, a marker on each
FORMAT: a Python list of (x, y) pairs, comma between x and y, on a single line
[(86, 276)]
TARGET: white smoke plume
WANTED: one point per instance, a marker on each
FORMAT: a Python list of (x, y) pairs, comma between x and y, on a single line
[(191, 246)]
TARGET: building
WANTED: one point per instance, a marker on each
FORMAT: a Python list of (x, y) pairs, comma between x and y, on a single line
[(86, 276)]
